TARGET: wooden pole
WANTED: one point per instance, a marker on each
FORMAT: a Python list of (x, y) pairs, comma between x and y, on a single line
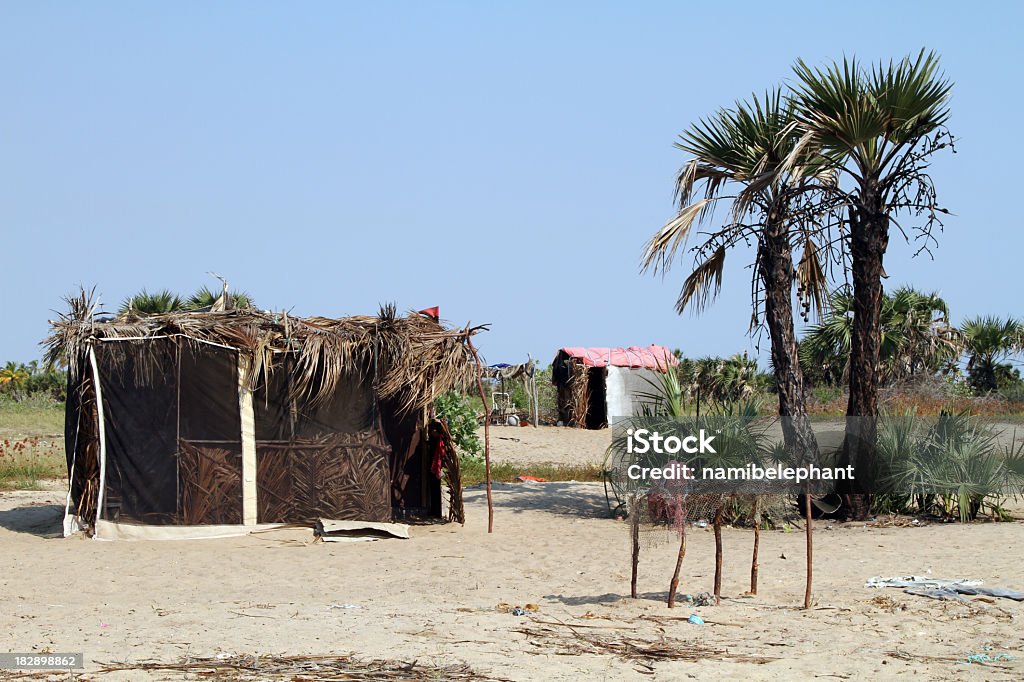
[(673, 586), (487, 434), (757, 544), (810, 548), (718, 552), (634, 522)]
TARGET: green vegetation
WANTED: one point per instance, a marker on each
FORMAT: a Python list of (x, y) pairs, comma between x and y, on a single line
[(473, 471), (952, 467), (167, 301), (19, 381), (458, 412)]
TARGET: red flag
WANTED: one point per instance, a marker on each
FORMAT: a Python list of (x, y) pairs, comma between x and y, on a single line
[(433, 313)]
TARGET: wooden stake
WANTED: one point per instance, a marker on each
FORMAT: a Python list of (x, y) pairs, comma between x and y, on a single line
[(634, 520), (810, 549), (674, 585), (487, 435), (757, 543), (718, 552)]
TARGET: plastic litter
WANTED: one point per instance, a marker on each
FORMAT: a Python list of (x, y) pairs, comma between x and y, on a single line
[(695, 619), (938, 588), (518, 611)]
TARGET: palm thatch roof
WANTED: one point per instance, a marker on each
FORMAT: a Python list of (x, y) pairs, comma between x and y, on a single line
[(412, 358)]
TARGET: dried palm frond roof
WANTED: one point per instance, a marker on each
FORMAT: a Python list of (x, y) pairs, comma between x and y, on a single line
[(413, 358)]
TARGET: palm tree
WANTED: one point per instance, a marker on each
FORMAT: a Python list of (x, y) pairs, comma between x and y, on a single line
[(753, 149), (989, 342), (879, 127), (166, 301), (745, 149), (916, 337), (204, 299), (158, 303), (13, 377)]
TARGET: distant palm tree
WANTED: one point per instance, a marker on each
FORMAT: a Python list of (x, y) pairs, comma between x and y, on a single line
[(204, 299), (166, 301), (989, 342), (916, 337), (146, 303), (13, 377)]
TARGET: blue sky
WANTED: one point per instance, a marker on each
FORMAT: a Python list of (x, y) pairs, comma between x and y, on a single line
[(505, 161)]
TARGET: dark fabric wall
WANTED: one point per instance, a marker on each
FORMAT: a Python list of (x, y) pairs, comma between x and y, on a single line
[(139, 389)]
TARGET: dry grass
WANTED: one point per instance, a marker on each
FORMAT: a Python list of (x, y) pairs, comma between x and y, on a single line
[(31, 442)]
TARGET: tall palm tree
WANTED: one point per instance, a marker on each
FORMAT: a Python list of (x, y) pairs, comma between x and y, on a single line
[(989, 342), (879, 127), (778, 205), (744, 150)]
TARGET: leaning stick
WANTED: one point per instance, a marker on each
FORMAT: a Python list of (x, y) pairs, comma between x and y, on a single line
[(757, 542), (487, 433)]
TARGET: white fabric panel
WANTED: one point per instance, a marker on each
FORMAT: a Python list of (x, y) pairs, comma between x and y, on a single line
[(109, 530), (248, 444), (623, 386), (102, 428)]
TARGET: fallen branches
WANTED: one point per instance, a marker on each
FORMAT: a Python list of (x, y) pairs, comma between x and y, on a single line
[(334, 668), (572, 642)]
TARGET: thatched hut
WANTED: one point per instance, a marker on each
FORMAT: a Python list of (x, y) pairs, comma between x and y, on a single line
[(598, 384), (212, 423)]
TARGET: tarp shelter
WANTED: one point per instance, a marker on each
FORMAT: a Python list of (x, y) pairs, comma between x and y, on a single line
[(214, 423), (598, 384), (504, 373)]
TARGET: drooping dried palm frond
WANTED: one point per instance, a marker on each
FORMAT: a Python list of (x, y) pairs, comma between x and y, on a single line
[(410, 359)]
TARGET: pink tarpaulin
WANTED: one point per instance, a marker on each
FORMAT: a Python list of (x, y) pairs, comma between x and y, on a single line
[(651, 357)]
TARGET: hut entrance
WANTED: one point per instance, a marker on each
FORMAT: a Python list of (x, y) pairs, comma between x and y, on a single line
[(597, 405)]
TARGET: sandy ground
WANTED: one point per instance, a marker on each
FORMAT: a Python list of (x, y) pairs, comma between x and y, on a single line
[(546, 444), (434, 597)]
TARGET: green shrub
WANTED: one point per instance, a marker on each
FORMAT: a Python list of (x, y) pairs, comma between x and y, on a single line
[(457, 410)]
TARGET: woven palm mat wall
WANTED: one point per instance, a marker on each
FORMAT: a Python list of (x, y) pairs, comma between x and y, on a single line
[(211, 484), (336, 476)]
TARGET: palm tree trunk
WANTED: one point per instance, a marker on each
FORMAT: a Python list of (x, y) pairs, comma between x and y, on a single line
[(776, 275), (869, 238), (776, 265)]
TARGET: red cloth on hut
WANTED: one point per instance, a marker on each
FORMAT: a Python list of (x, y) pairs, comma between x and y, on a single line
[(439, 451)]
